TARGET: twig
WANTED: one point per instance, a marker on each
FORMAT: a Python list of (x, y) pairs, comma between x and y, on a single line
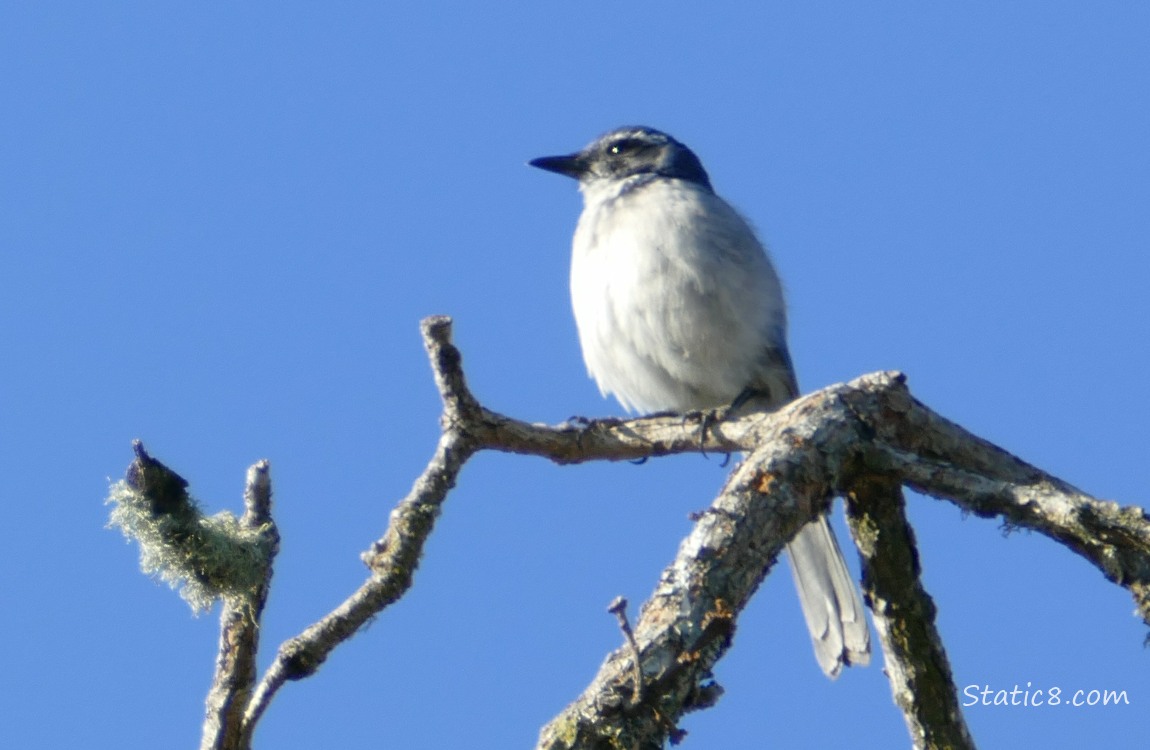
[(618, 607)]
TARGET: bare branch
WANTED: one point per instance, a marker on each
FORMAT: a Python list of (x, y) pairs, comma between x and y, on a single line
[(687, 624), (861, 440), (826, 444), (803, 455), (395, 556), (936, 457), (904, 614)]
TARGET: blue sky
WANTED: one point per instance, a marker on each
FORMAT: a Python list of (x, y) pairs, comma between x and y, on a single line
[(220, 227)]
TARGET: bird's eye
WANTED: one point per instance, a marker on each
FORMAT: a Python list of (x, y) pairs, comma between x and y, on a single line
[(624, 146)]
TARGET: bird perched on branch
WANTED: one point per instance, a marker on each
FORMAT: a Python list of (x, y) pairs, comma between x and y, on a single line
[(679, 309)]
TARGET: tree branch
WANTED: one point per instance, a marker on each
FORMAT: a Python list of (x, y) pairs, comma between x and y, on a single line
[(936, 457), (224, 725), (207, 558), (394, 557), (860, 440), (916, 663)]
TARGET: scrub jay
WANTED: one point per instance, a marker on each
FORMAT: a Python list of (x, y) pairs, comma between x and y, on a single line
[(679, 309)]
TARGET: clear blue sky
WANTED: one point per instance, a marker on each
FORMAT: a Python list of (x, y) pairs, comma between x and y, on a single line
[(220, 226)]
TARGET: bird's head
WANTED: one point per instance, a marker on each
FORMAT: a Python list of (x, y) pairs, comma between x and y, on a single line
[(628, 152)]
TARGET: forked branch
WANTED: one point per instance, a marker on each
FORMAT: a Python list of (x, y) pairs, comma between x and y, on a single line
[(861, 440)]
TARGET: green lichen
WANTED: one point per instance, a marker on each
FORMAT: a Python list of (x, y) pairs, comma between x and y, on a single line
[(202, 558)]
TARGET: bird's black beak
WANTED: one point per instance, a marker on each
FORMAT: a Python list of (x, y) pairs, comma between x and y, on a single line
[(572, 165)]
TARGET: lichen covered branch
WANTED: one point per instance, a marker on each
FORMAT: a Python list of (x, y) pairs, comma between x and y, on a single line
[(862, 440)]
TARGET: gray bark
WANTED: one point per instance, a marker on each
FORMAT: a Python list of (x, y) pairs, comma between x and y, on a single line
[(862, 441)]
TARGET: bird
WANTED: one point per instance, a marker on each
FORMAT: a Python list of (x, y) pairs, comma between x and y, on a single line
[(679, 309)]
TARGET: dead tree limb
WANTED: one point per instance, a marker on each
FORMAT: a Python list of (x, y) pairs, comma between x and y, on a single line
[(861, 440)]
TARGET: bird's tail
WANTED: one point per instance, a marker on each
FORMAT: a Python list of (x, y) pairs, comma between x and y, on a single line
[(830, 599)]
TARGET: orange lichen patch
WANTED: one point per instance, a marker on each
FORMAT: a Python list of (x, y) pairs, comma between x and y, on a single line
[(766, 482)]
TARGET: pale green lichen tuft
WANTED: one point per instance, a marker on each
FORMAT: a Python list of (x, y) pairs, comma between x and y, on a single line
[(202, 557)]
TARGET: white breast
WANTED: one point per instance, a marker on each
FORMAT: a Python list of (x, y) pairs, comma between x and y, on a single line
[(677, 304)]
